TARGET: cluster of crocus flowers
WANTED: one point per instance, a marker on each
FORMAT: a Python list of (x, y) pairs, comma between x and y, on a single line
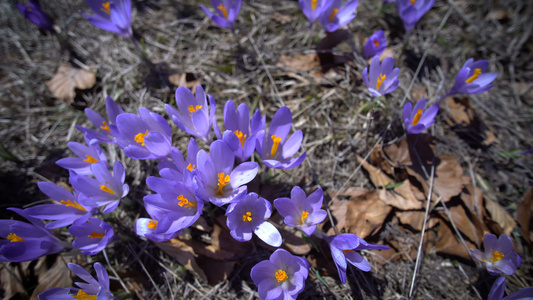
[(411, 11), (111, 15), (36, 15), (473, 78), (381, 77), (331, 14), (417, 119), (498, 256), (226, 12), (91, 289)]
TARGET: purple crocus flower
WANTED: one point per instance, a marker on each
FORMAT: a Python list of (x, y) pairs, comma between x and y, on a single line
[(218, 182), (313, 9), (274, 147), (417, 120), (226, 12), (499, 256), (473, 78), (97, 289), (21, 241), (105, 189), (87, 155), (498, 290), (343, 247), (63, 214), (105, 129), (381, 78), (144, 136), (411, 11), (193, 115), (111, 15), (375, 44), (239, 135), (174, 207), (92, 235), (179, 166), (36, 15), (335, 15), (301, 211), (248, 216), (281, 277)]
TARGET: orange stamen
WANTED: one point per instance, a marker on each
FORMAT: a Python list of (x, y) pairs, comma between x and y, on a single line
[(106, 189), (152, 224), (69, 203), (14, 238), (247, 217), (416, 119), (474, 76), (96, 235), (241, 136), (105, 127), (190, 167), (281, 275), (276, 139), (81, 295), (185, 202), (139, 138), (333, 13), (222, 182), (106, 8), (193, 109), (90, 159), (381, 78), (223, 10)]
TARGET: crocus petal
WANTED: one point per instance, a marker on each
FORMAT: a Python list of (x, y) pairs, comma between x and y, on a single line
[(269, 234)]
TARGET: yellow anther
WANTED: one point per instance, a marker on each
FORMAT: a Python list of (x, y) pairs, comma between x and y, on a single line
[(191, 167), (90, 159), (276, 139), (81, 295), (96, 235), (381, 78), (241, 136), (14, 238), (345, 251), (194, 108), (303, 217), (413, 2), (105, 7), (105, 126), (185, 202), (474, 76), (247, 217), (496, 256), (281, 276), (152, 224), (106, 189), (139, 138), (222, 182), (333, 13), (223, 10), (313, 4), (376, 43), (75, 204), (416, 119)]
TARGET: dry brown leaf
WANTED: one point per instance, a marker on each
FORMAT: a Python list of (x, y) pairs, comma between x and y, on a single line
[(187, 80), (300, 62), (500, 216), (401, 197), (366, 214), (449, 244), (524, 215), (469, 225), (67, 79), (377, 176), (57, 276), (183, 254), (415, 219), (10, 281)]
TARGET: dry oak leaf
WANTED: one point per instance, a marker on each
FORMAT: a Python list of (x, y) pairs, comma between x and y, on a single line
[(67, 79), (499, 215), (448, 243), (187, 80), (415, 219), (524, 215), (468, 224), (183, 254), (366, 214), (57, 276), (377, 176), (401, 197)]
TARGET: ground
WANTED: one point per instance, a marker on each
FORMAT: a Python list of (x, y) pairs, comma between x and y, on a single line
[(271, 62)]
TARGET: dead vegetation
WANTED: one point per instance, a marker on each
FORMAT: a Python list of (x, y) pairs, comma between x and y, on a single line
[(378, 192)]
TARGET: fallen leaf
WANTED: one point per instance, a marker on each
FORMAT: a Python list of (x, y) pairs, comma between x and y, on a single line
[(57, 276), (366, 214), (415, 219), (499, 215), (449, 244), (401, 197), (469, 225), (183, 254), (378, 177), (187, 80), (524, 215), (67, 79), (10, 282)]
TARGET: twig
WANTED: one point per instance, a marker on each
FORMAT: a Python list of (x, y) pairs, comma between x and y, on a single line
[(115, 273), (145, 271)]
